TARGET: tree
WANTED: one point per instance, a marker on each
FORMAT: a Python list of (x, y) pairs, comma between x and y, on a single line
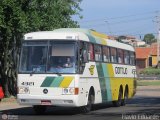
[(149, 38), (20, 16), (120, 38)]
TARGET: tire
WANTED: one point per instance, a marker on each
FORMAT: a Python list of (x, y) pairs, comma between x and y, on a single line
[(88, 107), (39, 109), (124, 101), (119, 101)]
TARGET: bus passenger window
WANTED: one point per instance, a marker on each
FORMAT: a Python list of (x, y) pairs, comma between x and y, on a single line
[(98, 53), (106, 54), (90, 52), (120, 54), (132, 58), (126, 57), (113, 55)]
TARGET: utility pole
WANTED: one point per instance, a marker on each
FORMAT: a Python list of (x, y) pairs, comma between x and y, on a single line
[(158, 45), (158, 39)]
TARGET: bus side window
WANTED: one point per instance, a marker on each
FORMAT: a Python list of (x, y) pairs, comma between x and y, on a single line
[(132, 58), (98, 52), (120, 54), (83, 56), (113, 55), (126, 57), (106, 54), (90, 52), (83, 52)]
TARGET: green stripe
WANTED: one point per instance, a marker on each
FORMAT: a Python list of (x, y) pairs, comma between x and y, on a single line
[(47, 82), (102, 82), (57, 81), (107, 80), (98, 41), (92, 39)]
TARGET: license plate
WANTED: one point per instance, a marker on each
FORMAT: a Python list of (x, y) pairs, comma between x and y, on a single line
[(45, 102)]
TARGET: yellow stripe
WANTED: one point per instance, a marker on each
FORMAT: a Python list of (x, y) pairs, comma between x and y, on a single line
[(66, 82), (110, 69), (103, 42), (99, 35)]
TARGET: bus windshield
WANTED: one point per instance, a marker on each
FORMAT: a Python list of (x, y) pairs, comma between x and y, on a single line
[(48, 57)]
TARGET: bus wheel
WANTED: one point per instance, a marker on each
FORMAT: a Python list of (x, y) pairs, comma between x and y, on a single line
[(119, 101), (125, 98), (88, 107), (39, 109)]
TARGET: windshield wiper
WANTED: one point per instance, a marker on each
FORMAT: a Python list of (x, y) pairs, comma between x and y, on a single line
[(34, 71), (59, 74)]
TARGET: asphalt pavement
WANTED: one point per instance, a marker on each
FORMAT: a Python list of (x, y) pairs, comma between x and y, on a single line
[(144, 106)]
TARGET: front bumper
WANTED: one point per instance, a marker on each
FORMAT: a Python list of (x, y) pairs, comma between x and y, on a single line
[(62, 100)]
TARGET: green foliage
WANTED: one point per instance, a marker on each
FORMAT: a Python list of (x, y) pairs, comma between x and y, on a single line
[(150, 71), (120, 38), (20, 16), (149, 38)]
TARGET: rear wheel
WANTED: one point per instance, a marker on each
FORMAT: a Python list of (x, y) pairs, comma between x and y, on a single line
[(119, 101), (39, 109), (125, 98)]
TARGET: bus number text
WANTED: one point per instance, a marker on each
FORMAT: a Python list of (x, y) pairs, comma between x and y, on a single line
[(27, 83)]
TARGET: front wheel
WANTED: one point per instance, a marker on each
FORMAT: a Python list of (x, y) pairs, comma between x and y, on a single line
[(88, 107), (39, 109)]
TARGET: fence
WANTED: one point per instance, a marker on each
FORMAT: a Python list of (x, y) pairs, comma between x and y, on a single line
[(148, 77)]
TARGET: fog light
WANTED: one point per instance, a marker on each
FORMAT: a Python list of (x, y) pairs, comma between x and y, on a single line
[(23, 100), (68, 101), (23, 90)]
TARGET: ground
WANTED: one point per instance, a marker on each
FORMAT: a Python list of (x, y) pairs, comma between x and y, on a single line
[(144, 106)]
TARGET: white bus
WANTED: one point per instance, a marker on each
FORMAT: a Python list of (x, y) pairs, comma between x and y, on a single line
[(74, 67)]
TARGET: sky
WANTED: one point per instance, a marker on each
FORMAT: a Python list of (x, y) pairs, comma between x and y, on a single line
[(120, 17)]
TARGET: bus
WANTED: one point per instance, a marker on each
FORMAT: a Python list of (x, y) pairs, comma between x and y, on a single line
[(74, 67)]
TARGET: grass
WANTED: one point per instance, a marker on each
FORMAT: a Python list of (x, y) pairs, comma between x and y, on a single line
[(148, 82), (11, 99)]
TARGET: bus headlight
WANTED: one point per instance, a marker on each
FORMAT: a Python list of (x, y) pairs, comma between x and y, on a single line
[(23, 90), (70, 91), (65, 90)]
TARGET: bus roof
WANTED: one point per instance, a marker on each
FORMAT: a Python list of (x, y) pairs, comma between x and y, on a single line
[(77, 34)]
